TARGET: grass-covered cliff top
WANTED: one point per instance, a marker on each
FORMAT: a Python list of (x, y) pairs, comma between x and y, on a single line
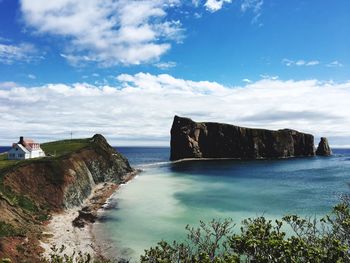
[(51, 149), (59, 148)]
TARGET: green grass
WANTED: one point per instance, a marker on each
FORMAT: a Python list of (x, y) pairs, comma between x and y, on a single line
[(60, 148), (4, 163), (56, 149)]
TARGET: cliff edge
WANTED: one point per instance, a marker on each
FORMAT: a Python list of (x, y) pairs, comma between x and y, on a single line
[(31, 190), (191, 139)]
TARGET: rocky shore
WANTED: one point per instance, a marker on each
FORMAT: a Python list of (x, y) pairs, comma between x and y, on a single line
[(72, 228)]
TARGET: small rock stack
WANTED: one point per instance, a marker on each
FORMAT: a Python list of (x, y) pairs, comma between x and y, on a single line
[(323, 148)]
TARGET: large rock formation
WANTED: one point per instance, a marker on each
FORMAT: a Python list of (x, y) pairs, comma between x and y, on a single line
[(323, 148), (190, 139)]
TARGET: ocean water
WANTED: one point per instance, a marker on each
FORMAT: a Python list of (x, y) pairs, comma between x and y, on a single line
[(4, 149), (166, 196)]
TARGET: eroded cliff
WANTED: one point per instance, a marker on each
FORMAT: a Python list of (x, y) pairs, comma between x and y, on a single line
[(32, 189), (190, 139)]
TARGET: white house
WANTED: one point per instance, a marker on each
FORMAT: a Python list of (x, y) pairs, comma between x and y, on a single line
[(25, 149)]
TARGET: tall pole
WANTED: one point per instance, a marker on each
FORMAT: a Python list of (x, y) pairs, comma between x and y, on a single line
[(71, 135)]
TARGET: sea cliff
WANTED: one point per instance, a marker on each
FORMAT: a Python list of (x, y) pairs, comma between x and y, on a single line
[(32, 190), (191, 139)]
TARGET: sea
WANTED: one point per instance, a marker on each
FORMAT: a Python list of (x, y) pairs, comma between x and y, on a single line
[(166, 196)]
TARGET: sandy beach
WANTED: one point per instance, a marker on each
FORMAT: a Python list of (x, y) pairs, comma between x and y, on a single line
[(62, 232)]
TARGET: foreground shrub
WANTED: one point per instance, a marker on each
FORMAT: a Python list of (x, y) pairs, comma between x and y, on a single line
[(262, 241)]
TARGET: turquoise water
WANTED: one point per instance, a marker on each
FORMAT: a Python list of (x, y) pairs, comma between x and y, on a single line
[(165, 197)]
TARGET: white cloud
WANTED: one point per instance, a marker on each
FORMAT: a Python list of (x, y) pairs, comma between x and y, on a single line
[(247, 80), (197, 15), (22, 53), (335, 64), (165, 65), (31, 76), (312, 63), (140, 109), (288, 62), (3, 39), (266, 76), (255, 6), (108, 32), (196, 2), (300, 62), (215, 5)]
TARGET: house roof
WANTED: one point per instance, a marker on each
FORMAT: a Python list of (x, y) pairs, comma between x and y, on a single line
[(28, 144), (20, 146)]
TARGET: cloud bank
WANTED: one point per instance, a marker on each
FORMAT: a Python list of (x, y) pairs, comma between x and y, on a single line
[(139, 110), (108, 32)]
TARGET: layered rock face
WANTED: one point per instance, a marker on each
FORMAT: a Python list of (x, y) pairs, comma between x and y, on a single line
[(190, 139), (66, 181), (323, 148)]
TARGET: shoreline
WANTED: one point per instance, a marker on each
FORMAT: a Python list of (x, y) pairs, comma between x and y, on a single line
[(72, 228)]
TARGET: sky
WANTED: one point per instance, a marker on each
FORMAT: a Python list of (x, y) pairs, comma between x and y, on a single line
[(124, 68)]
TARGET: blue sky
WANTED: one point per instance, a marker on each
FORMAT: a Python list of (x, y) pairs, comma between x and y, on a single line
[(209, 48)]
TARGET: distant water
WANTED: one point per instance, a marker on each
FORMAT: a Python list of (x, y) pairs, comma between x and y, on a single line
[(139, 156), (4, 149), (162, 200)]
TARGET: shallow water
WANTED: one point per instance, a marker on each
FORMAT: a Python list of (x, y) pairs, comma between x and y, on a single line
[(162, 200)]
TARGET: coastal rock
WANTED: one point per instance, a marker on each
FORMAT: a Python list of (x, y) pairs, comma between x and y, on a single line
[(84, 217), (190, 139), (32, 190), (66, 181), (323, 148)]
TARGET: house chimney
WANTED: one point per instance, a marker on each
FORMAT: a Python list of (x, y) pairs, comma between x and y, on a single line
[(21, 140)]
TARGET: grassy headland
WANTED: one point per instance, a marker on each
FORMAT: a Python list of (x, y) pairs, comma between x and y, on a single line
[(60, 148), (32, 190), (51, 149), (54, 150)]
